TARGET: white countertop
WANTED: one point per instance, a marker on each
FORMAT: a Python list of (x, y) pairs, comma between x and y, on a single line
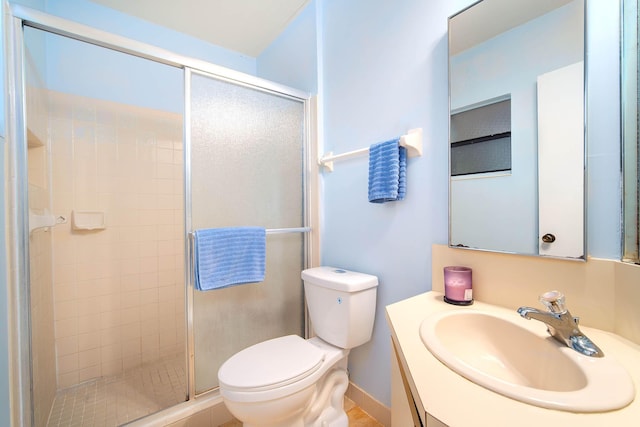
[(459, 402)]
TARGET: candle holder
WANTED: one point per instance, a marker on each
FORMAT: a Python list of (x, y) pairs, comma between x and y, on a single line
[(458, 285)]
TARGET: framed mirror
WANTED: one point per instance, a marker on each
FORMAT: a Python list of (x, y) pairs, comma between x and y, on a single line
[(517, 127), (630, 142)]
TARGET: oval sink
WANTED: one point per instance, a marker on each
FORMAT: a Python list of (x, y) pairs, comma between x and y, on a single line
[(510, 356)]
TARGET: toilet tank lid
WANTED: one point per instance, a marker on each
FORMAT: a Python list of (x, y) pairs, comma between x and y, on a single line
[(339, 279)]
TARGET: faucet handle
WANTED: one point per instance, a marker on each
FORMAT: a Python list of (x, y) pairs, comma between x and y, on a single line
[(554, 301)]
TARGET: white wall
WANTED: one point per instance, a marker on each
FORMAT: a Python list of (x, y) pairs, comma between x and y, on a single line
[(385, 71)]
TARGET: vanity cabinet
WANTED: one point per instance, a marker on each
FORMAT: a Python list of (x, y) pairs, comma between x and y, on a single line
[(425, 392), (404, 408)]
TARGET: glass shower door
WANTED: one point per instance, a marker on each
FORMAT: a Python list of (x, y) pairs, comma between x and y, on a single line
[(105, 160), (246, 166)]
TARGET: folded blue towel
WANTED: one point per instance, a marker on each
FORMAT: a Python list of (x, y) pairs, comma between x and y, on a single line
[(387, 171), (229, 256)]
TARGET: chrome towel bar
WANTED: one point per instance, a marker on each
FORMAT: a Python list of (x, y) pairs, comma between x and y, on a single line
[(278, 230)]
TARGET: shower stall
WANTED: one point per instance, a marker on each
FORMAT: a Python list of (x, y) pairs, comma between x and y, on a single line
[(117, 152)]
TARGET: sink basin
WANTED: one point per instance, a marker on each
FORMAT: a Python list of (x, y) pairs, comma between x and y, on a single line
[(517, 358)]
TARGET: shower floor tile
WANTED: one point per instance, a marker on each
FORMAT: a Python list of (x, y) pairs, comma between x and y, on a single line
[(112, 401)]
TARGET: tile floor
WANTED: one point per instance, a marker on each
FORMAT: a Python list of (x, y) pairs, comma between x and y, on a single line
[(113, 401)]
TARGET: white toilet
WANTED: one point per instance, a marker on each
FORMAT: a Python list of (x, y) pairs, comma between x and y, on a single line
[(289, 381)]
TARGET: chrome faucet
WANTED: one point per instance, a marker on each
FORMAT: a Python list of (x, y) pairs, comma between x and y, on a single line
[(561, 325)]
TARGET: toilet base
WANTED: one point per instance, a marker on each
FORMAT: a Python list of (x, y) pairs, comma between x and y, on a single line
[(319, 405), (331, 418), (287, 411), (327, 408)]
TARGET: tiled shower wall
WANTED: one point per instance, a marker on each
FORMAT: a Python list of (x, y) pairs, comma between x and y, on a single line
[(118, 291)]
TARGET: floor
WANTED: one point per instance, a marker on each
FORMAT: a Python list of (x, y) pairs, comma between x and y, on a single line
[(357, 417), (113, 401)]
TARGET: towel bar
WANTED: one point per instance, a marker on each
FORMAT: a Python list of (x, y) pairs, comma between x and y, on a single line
[(412, 141), (278, 230), (288, 230)]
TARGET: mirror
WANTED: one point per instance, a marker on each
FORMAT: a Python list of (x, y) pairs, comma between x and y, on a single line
[(517, 127), (630, 142)]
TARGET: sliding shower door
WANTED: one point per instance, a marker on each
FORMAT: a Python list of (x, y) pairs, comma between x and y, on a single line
[(106, 203), (246, 169), (116, 151)]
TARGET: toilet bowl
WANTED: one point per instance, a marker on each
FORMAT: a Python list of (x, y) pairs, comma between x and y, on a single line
[(273, 383), (289, 381)]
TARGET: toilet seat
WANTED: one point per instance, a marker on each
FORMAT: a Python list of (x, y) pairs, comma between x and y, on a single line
[(271, 364)]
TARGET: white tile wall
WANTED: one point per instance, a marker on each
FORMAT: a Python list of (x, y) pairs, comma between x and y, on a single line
[(119, 292)]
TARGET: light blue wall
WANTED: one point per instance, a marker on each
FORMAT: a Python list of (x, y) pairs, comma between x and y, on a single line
[(86, 70), (81, 69), (2, 77), (292, 58), (385, 71), (4, 310), (4, 298), (604, 195), (110, 20)]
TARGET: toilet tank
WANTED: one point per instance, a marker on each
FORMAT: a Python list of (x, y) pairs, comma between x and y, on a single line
[(341, 303)]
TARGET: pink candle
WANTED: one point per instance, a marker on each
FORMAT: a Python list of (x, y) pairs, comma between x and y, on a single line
[(457, 285)]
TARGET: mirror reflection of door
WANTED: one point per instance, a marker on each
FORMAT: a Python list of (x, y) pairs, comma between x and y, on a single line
[(560, 161)]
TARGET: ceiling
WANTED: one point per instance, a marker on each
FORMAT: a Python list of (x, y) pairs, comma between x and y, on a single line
[(245, 26), (492, 17)]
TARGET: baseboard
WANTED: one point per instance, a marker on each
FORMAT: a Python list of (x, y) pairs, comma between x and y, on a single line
[(368, 404)]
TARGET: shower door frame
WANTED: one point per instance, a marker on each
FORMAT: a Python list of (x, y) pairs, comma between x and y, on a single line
[(17, 240)]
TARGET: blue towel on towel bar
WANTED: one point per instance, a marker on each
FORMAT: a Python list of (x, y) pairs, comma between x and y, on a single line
[(387, 171), (229, 256)]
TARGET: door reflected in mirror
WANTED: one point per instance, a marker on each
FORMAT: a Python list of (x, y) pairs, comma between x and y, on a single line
[(517, 127)]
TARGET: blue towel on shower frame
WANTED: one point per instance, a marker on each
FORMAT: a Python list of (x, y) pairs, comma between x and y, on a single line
[(229, 256), (387, 171)]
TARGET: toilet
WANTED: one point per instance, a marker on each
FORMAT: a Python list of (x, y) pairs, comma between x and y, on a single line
[(289, 381)]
